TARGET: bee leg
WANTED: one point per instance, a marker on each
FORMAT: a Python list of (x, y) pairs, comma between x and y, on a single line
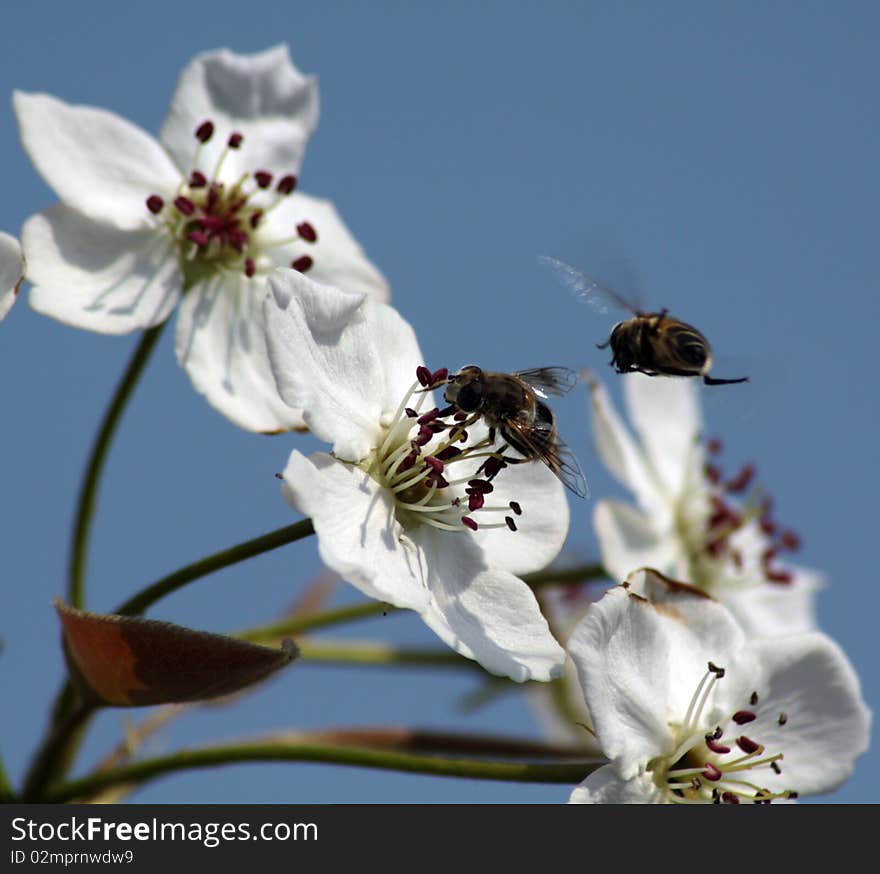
[(710, 380)]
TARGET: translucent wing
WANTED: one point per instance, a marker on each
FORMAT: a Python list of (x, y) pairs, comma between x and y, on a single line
[(550, 448), (587, 288), (549, 380)]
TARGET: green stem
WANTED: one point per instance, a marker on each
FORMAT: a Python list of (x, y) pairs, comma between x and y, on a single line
[(139, 602), (345, 653), (564, 576), (7, 793), (85, 508), (149, 769), (56, 752), (322, 619)]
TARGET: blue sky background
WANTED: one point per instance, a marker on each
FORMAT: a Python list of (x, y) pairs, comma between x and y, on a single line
[(726, 154)]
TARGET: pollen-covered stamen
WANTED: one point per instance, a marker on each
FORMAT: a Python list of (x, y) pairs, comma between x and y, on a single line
[(221, 225)]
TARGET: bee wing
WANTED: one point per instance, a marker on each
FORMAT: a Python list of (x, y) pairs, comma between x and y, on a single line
[(554, 453), (549, 380), (587, 288)]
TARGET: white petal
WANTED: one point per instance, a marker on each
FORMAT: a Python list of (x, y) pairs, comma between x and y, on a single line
[(619, 452), (488, 615), (261, 96), (542, 528), (97, 277), (11, 270), (775, 608), (639, 665), (358, 534), (808, 677), (604, 786), (628, 540), (98, 163), (330, 359), (338, 257), (666, 415), (220, 341)]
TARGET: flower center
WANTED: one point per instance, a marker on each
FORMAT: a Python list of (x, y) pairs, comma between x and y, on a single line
[(419, 458), (712, 537), (719, 765), (220, 226)]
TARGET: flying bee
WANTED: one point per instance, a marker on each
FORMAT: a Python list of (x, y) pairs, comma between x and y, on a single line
[(512, 405), (649, 343)]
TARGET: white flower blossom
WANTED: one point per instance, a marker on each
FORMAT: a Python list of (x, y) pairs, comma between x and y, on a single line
[(688, 523), (11, 270), (689, 710), (400, 507), (205, 213)]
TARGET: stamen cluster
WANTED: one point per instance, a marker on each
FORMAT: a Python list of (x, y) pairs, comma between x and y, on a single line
[(417, 454), (713, 766), (728, 515), (216, 226)]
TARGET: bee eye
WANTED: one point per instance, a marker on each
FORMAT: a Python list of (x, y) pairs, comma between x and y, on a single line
[(693, 353), (469, 398)]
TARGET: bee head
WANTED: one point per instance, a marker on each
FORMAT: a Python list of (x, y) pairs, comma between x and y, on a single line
[(465, 389)]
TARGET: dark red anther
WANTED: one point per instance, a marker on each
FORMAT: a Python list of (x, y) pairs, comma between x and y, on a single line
[(741, 717), (437, 480), (448, 453), (775, 576), (716, 747), (425, 418), (434, 463), (712, 772), (286, 184), (235, 140), (439, 375), (263, 178), (481, 485), (737, 557), (716, 547), (469, 523), (774, 766), (768, 526), (410, 412), (719, 672), (783, 718), (493, 466), (184, 205), (714, 446), (307, 232), (256, 218), (409, 460), (205, 131), (155, 204), (729, 798), (753, 699), (742, 480), (460, 416), (250, 268), (424, 437), (200, 238), (768, 555), (792, 794), (713, 474), (423, 375), (475, 501), (790, 540), (516, 508), (302, 264), (747, 745), (197, 179)]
